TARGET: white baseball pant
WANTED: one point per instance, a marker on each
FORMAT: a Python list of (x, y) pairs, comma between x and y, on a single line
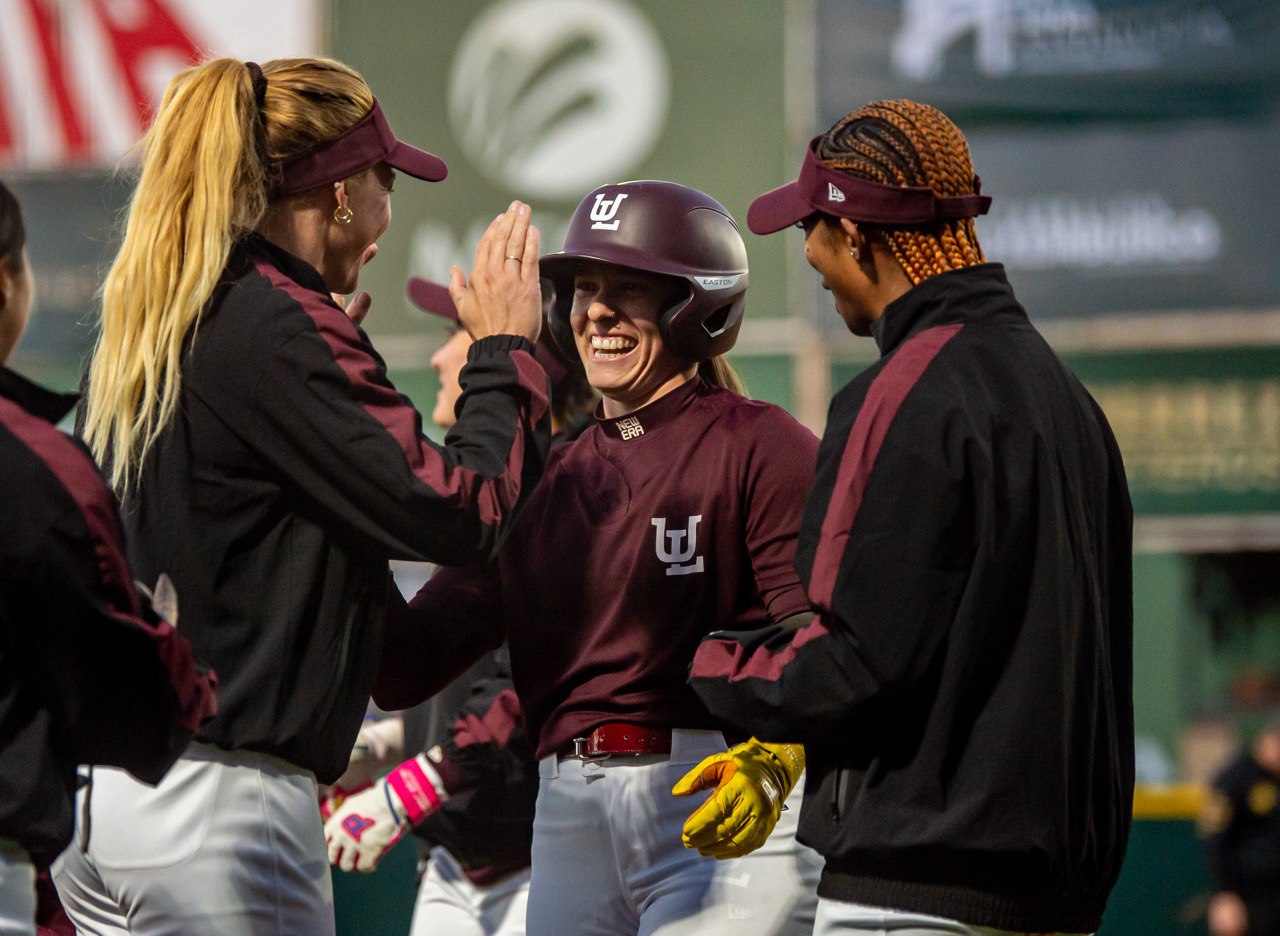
[(608, 860), (450, 905), (17, 891), (841, 918), (229, 843)]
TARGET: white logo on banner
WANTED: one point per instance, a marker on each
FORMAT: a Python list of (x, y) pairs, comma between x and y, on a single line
[(833, 193), (684, 543), (1137, 230), (551, 97), (603, 212), (1053, 36)]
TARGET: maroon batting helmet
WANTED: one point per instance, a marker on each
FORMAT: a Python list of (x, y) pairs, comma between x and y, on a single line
[(660, 227)]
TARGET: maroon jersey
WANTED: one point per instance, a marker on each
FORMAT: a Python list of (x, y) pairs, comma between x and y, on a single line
[(645, 534)]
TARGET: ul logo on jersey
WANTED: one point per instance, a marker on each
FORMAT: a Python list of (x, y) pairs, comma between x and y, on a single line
[(603, 213), (684, 543)]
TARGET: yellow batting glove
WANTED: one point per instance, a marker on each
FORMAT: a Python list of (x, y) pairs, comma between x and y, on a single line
[(750, 783)]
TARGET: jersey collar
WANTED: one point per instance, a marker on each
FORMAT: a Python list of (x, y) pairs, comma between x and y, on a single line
[(294, 267), (964, 295), (638, 423)]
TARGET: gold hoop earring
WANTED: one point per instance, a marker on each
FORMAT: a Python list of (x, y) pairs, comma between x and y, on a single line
[(343, 214)]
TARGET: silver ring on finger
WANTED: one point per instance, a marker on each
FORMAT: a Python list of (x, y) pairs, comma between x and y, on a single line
[(514, 257)]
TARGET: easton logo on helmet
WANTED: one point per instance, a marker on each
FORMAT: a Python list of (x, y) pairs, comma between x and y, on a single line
[(833, 193), (603, 212), (717, 282)]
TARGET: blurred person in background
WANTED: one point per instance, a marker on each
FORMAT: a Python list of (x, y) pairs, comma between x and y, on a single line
[(673, 515), (963, 682), (476, 882), (1241, 826), (91, 672), (270, 469)]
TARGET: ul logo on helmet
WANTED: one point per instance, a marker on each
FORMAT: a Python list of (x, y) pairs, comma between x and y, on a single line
[(684, 543), (604, 213)]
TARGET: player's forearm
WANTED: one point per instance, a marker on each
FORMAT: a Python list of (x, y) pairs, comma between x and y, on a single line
[(427, 631)]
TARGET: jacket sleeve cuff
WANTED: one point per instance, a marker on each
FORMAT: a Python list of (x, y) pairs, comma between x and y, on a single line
[(498, 344)]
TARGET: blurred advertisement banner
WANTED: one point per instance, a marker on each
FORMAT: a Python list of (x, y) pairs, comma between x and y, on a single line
[(1126, 142), (544, 100), (79, 78), (1199, 429)]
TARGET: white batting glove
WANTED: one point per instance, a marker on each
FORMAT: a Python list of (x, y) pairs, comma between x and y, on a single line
[(367, 824), (378, 745)]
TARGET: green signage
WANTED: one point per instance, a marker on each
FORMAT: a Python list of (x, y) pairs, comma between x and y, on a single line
[(1199, 430), (543, 100)]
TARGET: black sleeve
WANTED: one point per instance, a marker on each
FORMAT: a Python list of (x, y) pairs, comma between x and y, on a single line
[(325, 416), (122, 683), (894, 585), (486, 744)]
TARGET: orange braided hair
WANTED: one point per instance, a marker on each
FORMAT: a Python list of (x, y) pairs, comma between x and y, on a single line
[(906, 143)]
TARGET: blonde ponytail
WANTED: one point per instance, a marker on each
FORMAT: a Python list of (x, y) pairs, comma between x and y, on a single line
[(720, 373), (203, 186)]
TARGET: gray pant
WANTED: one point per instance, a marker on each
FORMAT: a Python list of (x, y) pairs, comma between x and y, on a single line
[(17, 891), (450, 905), (228, 843), (838, 918), (608, 860)]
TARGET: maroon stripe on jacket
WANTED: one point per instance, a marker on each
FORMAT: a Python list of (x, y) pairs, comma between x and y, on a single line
[(884, 397), (717, 659), (494, 727), (493, 497), (79, 477)]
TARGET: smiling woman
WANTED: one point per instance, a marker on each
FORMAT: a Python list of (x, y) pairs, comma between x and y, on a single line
[(673, 516), (270, 470)]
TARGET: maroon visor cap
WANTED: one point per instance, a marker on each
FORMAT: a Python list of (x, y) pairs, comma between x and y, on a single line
[(356, 149), (434, 298), (659, 227), (821, 189)]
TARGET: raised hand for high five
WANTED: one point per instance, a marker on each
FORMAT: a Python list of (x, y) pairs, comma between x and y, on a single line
[(502, 296)]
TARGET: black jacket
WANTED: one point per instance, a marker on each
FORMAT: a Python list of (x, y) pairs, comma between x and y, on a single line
[(965, 692), (87, 674), (291, 473)]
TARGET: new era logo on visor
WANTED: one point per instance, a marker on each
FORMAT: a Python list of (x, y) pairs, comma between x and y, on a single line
[(833, 193)]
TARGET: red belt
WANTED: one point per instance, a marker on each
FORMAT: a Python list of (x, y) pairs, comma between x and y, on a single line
[(619, 738)]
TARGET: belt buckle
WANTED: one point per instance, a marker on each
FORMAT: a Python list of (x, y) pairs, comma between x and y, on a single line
[(580, 751)]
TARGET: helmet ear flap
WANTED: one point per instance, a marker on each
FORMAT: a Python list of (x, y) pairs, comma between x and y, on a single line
[(672, 339), (703, 327)]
